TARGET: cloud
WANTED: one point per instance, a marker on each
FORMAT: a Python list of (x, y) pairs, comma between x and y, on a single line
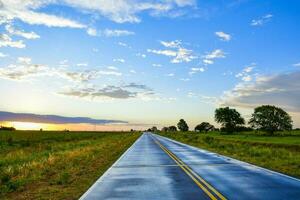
[(156, 65), (141, 55), (2, 55), (282, 90), (129, 91), (23, 68), (122, 11), (116, 33), (121, 60), (170, 74), (245, 74), (122, 44), (223, 36), (215, 54), (28, 35), (176, 51), (52, 119), (82, 64), (195, 70), (296, 64), (92, 31), (6, 41), (26, 12), (261, 21)]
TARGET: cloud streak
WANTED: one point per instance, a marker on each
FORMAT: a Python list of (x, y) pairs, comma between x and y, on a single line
[(52, 119)]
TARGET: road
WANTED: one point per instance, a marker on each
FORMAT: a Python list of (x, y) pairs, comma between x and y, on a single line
[(155, 167)]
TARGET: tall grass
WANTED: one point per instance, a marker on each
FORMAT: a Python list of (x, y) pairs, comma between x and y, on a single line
[(279, 153), (56, 165)]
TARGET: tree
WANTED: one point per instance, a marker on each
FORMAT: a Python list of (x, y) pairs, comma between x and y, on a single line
[(229, 118), (165, 129), (182, 125), (270, 119), (172, 128), (154, 129), (204, 126)]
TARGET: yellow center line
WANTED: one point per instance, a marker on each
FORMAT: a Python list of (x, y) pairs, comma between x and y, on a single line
[(195, 177)]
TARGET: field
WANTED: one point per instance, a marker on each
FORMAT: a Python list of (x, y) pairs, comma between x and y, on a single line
[(56, 165), (279, 153)]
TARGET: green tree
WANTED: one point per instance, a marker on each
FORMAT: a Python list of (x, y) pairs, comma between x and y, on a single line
[(204, 126), (182, 125), (165, 129), (229, 118), (172, 128), (270, 119)]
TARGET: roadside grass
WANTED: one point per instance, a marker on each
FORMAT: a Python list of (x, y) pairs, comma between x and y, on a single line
[(56, 165), (279, 153)]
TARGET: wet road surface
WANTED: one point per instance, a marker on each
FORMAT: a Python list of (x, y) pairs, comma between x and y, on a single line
[(159, 168)]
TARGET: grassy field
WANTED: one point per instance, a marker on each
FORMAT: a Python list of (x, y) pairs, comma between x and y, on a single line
[(56, 165), (279, 153)]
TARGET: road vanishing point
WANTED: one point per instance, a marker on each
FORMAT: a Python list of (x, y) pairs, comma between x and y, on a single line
[(155, 167)]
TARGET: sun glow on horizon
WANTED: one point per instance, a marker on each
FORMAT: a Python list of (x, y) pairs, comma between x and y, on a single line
[(71, 127)]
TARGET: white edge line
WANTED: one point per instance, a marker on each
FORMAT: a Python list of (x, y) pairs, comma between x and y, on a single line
[(107, 171), (227, 157)]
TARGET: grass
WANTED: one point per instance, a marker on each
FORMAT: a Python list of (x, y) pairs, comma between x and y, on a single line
[(279, 153), (56, 165)]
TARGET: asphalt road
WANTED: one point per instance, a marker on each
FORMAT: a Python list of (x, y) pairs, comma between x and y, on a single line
[(159, 168)]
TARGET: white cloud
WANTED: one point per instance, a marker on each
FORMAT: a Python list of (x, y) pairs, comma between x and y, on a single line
[(6, 41), (210, 57), (28, 35), (121, 60), (296, 64), (141, 55), (185, 79), (122, 44), (116, 33), (178, 53), (91, 32), (25, 11), (245, 73), (223, 36), (194, 70), (171, 44), (282, 90), (128, 91), (22, 69), (121, 11), (261, 21), (112, 68), (156, 65), (132, 71), (82, 64), (170, 74), (2, 55)]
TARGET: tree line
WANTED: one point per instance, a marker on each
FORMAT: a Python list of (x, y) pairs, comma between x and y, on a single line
[(266, 118)]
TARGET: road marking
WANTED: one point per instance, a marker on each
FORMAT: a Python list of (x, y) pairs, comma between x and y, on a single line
[(207, 188)]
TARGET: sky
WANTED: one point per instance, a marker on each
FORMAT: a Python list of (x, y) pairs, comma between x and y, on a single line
[(147, 63)]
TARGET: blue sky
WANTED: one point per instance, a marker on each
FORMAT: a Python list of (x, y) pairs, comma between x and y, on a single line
[(149, 62)]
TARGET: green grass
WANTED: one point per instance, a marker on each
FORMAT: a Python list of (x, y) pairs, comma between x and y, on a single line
[(279, 153), (56, 165)]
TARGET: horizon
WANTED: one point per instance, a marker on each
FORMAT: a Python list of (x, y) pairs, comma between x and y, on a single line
[(146, 63)]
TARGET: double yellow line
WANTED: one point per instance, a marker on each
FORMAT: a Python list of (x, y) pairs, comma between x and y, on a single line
[(206, 187)]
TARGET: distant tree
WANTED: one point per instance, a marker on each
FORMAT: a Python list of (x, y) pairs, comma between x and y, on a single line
[(165, 129), (182, 125), (4, 128), (172, 128), (229, 118), (270, 119), (204, 126), (154, 129)]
